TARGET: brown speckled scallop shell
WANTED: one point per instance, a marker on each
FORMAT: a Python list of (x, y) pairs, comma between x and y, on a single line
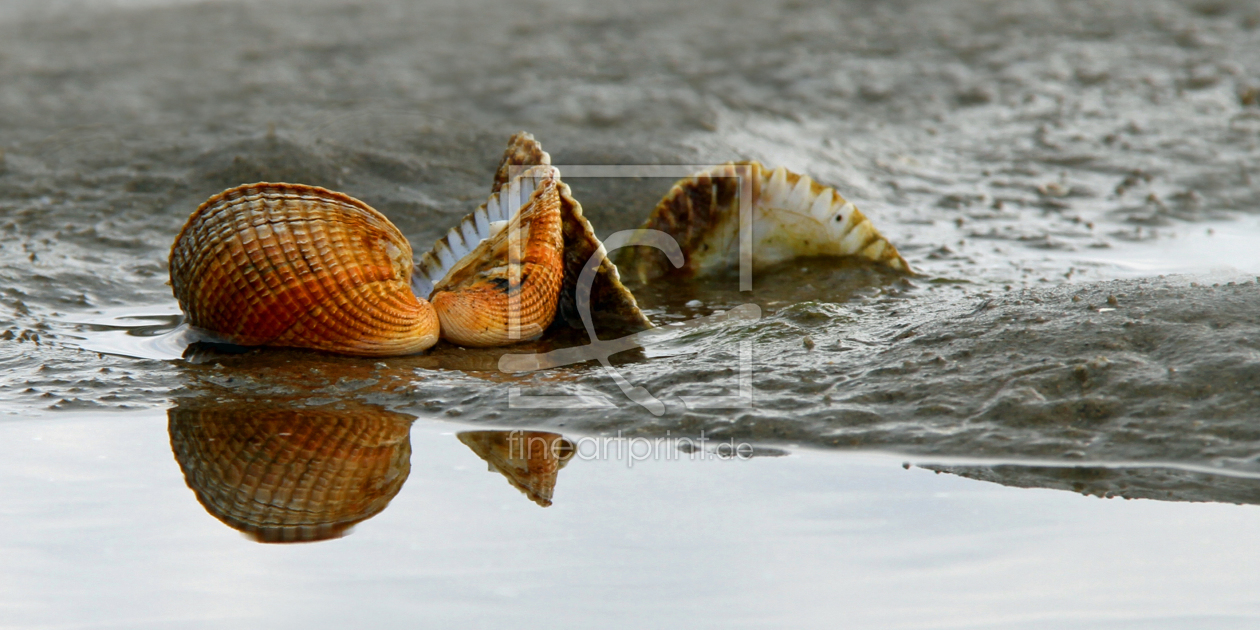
[(530, 460), (614, 311), (792, 216), (283, 474), (299, 266)]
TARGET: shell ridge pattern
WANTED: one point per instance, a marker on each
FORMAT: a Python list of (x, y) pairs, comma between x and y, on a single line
[(347, 271), (312, 267), (287, 264), (285, 475), (271, 267), (479, 307), (295, 265), (504, 205), (793, 215)]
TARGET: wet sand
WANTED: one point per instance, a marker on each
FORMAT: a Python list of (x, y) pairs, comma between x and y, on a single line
[(1031, 159), (1075, 182)]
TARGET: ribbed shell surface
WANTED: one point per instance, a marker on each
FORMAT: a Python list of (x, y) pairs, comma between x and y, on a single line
[(614, 311), (509, 294), (791, 216), (299, 266), (286, 475)]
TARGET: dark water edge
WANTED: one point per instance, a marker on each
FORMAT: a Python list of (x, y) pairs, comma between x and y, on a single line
[(1032, 159)]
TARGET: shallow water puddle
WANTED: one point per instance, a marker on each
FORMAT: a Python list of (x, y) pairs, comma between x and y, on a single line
[(99, 529), (1208, 246)]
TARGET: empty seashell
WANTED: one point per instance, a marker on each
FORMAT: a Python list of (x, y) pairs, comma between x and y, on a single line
[(792, 216), (284, 474), (525, 174), (504, 288), (530, 460), (299, 266), (614, 310)]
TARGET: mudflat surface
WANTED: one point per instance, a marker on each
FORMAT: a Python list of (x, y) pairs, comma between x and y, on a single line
[(1041, 164)]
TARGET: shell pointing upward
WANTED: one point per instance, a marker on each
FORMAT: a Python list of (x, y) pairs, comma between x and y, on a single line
[(792, 216), (527, 186), (505, 289)]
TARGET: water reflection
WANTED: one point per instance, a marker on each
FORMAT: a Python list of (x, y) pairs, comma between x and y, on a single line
[(302, 470), (291, 474), (531, 460), (1130, 481), (287, 472)]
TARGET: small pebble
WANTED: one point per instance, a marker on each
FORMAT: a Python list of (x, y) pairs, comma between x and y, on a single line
[(809, 342), (1053, 189), (1112, 301), (694, 304)]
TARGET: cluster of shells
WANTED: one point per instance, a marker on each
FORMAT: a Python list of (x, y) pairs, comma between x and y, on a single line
[(275, 264)]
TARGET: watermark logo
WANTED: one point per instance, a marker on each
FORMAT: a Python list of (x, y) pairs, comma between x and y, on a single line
[(530, 445), (600, 350)]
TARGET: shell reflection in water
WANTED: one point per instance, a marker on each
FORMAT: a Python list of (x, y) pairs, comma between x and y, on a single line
[(531, 460), (283, 474)]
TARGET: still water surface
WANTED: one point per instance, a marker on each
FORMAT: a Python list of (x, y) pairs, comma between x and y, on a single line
[(1039, 162), (100, 530)]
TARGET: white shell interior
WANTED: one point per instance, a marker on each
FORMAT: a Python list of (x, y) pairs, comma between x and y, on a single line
[(482, 224)]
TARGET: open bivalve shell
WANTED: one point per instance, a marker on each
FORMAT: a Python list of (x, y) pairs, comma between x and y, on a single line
[(525, 183), (792, 216), (282, 474)]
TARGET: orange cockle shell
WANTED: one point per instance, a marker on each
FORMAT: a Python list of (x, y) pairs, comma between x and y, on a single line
[(527, 185), (289, 474), (505, 289), (299, 266)]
